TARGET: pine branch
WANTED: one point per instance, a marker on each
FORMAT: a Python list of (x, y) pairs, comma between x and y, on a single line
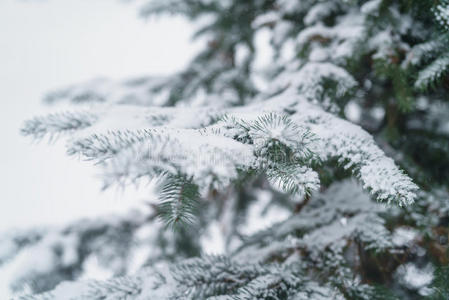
[(296, 180), (441, 12), (210, 161), (64, 251), (197, 278), (287, 122), (100, 147), (145, 90), (58, 123), (428, 50), (178, 201), (433, 73)]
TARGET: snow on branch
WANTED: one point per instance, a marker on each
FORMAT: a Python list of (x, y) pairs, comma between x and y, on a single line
[(341, 213), (433, 73), (108, 241), (283, 129), (294, 180), (210, 161), (441, 12), (355, 149), (211, 277), (137, 91), (57, 123), (322, 83)]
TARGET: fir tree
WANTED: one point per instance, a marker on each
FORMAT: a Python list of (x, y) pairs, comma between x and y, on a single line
[(311, 201)]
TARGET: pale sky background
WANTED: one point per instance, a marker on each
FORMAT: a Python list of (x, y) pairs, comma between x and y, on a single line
[(48, 44)]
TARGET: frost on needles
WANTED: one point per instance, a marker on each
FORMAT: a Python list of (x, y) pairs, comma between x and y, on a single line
[(232, 144), (280, 133)]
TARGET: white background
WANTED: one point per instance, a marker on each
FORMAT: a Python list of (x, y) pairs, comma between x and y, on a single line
[(52, 43)]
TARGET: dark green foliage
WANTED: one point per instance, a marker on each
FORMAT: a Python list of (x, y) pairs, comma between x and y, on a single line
[(432, 55), (440, 284)]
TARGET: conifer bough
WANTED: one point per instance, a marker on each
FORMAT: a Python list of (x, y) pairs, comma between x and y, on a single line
[(230, 141)]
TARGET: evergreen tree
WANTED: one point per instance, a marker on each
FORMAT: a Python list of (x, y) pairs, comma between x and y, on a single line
[(297, 165)]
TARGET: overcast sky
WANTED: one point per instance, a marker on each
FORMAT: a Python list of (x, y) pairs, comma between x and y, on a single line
[(47, 44)]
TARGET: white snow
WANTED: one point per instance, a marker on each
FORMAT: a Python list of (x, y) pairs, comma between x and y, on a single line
[(413, 277), (402, 236)]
